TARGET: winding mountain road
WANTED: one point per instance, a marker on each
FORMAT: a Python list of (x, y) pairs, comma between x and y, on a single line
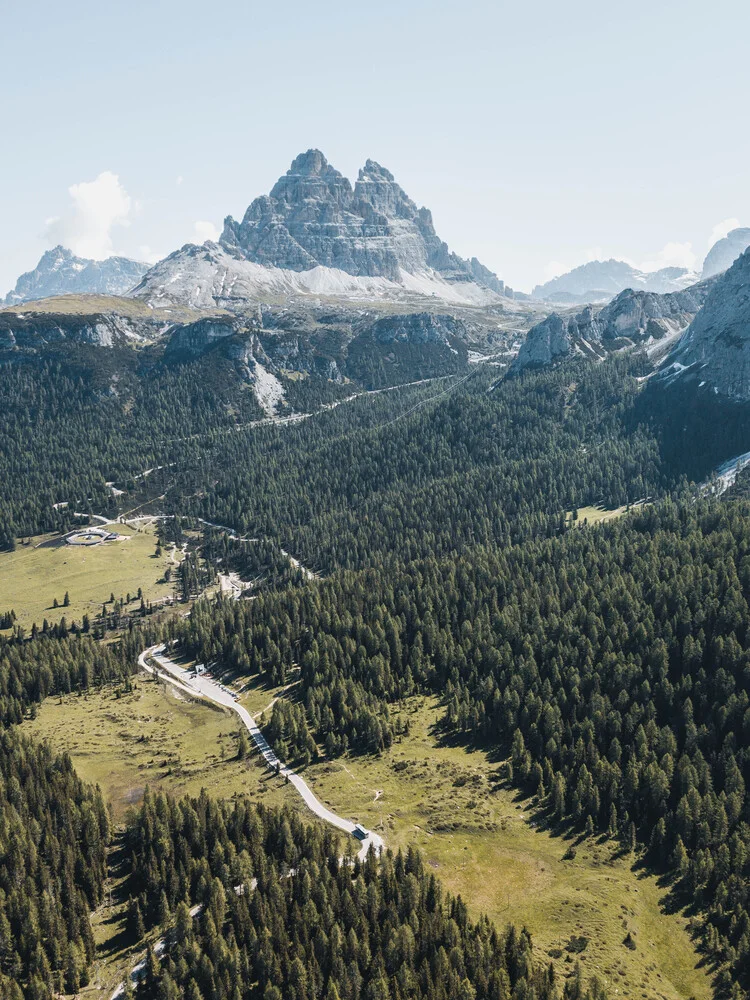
[(204, 687)]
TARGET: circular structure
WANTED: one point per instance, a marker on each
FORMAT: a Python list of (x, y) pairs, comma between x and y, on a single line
[(89, 536)]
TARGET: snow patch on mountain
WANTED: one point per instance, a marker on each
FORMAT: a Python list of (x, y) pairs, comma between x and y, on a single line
[(207, 276)]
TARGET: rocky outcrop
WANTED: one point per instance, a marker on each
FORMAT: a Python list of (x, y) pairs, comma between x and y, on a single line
[(558, 337), (60, 272), (714, 353), (599, 281), (314, 217), (418, 328), (632, 317), (33, 330), (191, 340), (725, 252), (637, 316)]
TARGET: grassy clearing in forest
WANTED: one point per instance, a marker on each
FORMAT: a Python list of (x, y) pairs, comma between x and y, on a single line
[(479, 837), (477, 834), (597, 514), (34, 575), (151, 736)]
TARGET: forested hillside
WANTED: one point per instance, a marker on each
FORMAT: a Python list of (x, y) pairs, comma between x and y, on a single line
[(70, 429), (612, 665), (484, 463), (45, 665), (285, 917), (53, 838), (609, 666)]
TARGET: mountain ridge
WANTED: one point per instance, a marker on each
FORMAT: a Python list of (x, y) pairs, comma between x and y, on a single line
[(725, 251), (600, 280), (60, 272), (715, 349), (632, 317)]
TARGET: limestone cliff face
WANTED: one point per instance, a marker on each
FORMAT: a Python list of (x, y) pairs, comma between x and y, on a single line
[(638, 316), (714, 352), (60, 272), (35, 330), (557, 337), (632, 317), (418, 328), (314, 217)]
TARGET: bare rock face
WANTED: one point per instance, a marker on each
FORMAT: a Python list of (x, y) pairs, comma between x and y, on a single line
[(632, 317), (637, 316), (418, 328), (725, 252), (558, 337), (191, 340), (314, 217), (714, 352), (35, 330), (60, 272)]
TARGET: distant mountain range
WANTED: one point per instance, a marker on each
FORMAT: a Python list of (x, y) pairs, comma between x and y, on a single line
[(60, 272), (600, 280)]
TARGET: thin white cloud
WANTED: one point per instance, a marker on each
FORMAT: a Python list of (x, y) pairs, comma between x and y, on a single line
[(97, 207), (672, 255), (206, 231), (179, 180), (721, 229), (147, 255)]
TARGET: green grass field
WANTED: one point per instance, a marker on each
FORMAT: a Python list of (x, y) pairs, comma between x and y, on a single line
[(152, 736), (476, 834), (34, 575), (595, 515), (480, 838)]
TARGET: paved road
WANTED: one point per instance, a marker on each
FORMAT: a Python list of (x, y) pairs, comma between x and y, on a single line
[(205, 687)]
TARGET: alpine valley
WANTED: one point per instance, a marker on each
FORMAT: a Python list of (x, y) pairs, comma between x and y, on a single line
[(370, 630)]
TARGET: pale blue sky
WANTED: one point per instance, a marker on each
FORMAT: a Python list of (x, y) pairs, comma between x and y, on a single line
[(537, 132)]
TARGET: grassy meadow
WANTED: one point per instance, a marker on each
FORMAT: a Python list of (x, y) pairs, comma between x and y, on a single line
[(151, 736), (480, 838), (35, 574), (477, 834)]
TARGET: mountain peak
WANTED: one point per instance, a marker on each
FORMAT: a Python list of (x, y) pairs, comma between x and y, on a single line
[(714, 353), (372, 171), (310, 164), (313, 217), (726, 251), (61, 272)]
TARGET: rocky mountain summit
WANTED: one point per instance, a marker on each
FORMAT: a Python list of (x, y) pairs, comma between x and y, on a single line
[(725, 252), (632, 317), (313, 216), (600, 280), (714, 353), (317, 235), (60, 272)]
